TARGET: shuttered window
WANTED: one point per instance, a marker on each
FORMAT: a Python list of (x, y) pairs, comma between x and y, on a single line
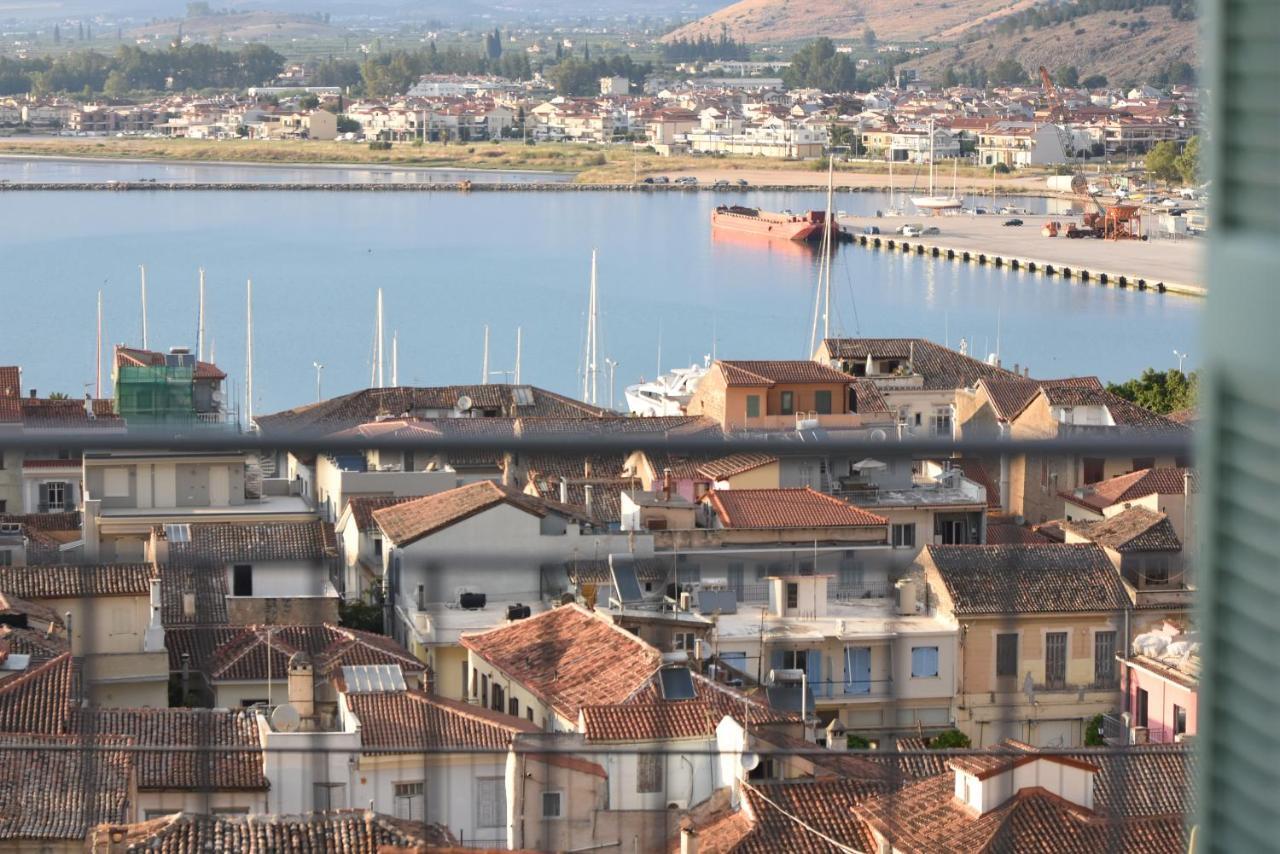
[(1055, 659), (491, 802), (1007, 655)]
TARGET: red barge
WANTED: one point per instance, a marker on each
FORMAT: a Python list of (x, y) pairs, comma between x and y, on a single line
[(782, 226)]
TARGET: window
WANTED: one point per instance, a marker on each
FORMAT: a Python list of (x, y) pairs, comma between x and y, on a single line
[(53, 495), (924, 662), (121, 620), (329, 796), (1007, 655), (484, 688), (822, 402), (753, 406), (529, 713), (787, 403), (1094, 469), (793, 595), (4, 506), (1055, 660), (857, 670), (904, 536), (248, 703), (1179, 720), (851, 576), (1155, 571), (377, 546), (513, 707), (409, 799), (942, 422), (682, 640), (1104, 658), (649, 773), (552, 803), (6, 558), (499, 699), (242, 580), (491, 802), (1140, 713), (791, 659)]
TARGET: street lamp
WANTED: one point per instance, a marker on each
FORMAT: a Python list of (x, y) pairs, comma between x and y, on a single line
[(1181, 358), (613, 366), (319, 368)]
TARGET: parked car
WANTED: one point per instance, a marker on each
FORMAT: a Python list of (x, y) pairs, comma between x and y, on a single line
[(742, 182), (721, 185), (687, 180), (933, 229), (871, 229), (661, 179), (912, 231), (1012, 222)]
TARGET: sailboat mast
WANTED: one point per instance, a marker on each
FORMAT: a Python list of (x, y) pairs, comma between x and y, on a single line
[(378, 342), (484, 362), (931, 169), (97, 393), (248, 356), (200, 321), (519, 345), (395, 358), (595, 332), (143, 270), (827, 247)]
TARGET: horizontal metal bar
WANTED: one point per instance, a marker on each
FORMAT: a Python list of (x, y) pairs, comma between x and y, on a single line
[(785, 444)]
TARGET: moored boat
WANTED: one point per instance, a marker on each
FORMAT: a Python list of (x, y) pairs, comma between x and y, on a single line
[(775, 225)]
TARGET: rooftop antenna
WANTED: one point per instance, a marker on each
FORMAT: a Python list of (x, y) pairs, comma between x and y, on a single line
[(319, 368), (200, 321), (98, 388), (999, 315), (248, 356), (484, 363), (519, 345), (395, 358), (143, 269), (589, 389), (659, 373)]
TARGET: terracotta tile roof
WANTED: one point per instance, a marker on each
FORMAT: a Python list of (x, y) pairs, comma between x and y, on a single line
[(38, 700), (826, 804), (788, 508), (339, 832), (867, 398), (226, 542), (220, 768), (1130, 487), (69, 581), (11, 605), (416, 720), (362, 507), (40, 646), (366, 405), (917, 760), (766, 373), (1123, 412), (10, 381), (411, 521), (1009, 534), (207, 583), (733, 464), (626, 722), (977, 472), (651, 569), (1189, 416), (1134, 530), (139, 358), (53, 464), (606, 497), (1010, 395), (60, 794), (941, 368), (1024, 579), (245, 654), (199, 642), (569, 658), (44, 521)]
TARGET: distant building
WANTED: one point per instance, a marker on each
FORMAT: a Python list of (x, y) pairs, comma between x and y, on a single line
[(615, 86)]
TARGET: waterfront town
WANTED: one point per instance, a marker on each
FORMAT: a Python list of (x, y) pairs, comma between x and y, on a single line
[(500, 617)]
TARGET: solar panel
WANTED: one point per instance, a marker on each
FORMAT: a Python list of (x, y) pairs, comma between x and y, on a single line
[(677, 683), (625, 581), (177, 533), (373, 678), (713, 601)]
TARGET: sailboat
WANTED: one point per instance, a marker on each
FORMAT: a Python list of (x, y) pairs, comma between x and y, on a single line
[(933, 201), (893, 210)]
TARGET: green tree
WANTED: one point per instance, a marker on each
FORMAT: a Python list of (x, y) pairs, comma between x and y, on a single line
[(818, 66), (1188, 162), (58, 395), (1092, 738), (1067, 75), (1161, 392), (950, 78), (1094, 81), (1007, 71), (949, 739), (1162, 162), (869, 37), (116, 85), (308, 102)]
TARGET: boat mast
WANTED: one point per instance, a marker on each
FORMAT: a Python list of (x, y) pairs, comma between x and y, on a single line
[(590, 353), (200, 321), (248, 356), (98, 388), (378, 339), (143, 270), (395, 358), (931, 170), (828, 226), (484, 364)]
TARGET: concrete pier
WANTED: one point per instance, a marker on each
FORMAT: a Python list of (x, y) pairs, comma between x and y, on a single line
[(1161, 266)]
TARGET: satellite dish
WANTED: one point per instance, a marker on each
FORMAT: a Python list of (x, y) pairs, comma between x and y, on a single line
[(286, 719), (750, 761), (464, 403), (878, 435)]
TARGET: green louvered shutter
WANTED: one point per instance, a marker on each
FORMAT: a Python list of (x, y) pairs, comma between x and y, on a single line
[(1239, 701)]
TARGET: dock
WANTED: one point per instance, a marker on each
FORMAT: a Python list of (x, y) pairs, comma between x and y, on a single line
[(1162, 266)]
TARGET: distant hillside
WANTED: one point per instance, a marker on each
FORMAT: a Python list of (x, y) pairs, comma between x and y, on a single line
[(1125, 46), (241, 26), (772, 21)]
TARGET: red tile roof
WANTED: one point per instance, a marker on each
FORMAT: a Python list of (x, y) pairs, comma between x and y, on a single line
[(10, 381), (339, 832), (788, 508), (233, 762), (38, 700), (1010, 395), (261, 541), (411, 521), (1130, 487), (940, 367), (826, 805), (245, 654), (415, 720), (1023, 579), (569, 658), (1009, 534), (625, 722), (362, 507), (52, 464), (69, 581), (139, 358), (49, 792), (1134, 530), (768, 373)]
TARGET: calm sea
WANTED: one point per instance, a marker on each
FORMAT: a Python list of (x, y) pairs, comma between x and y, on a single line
[(450, 263)]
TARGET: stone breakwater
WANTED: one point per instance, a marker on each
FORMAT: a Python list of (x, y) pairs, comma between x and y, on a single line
[(400, 187)]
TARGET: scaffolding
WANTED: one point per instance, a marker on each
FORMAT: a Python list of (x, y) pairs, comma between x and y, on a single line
[(155, 394)]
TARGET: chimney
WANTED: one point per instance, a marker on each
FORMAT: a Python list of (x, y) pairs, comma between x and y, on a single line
[(88, 405), (837, 736), (688, 838), (586, 467), (564, 491), (302, 688), (188, 604), (586, 497), (33, 394), (666, 484)]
